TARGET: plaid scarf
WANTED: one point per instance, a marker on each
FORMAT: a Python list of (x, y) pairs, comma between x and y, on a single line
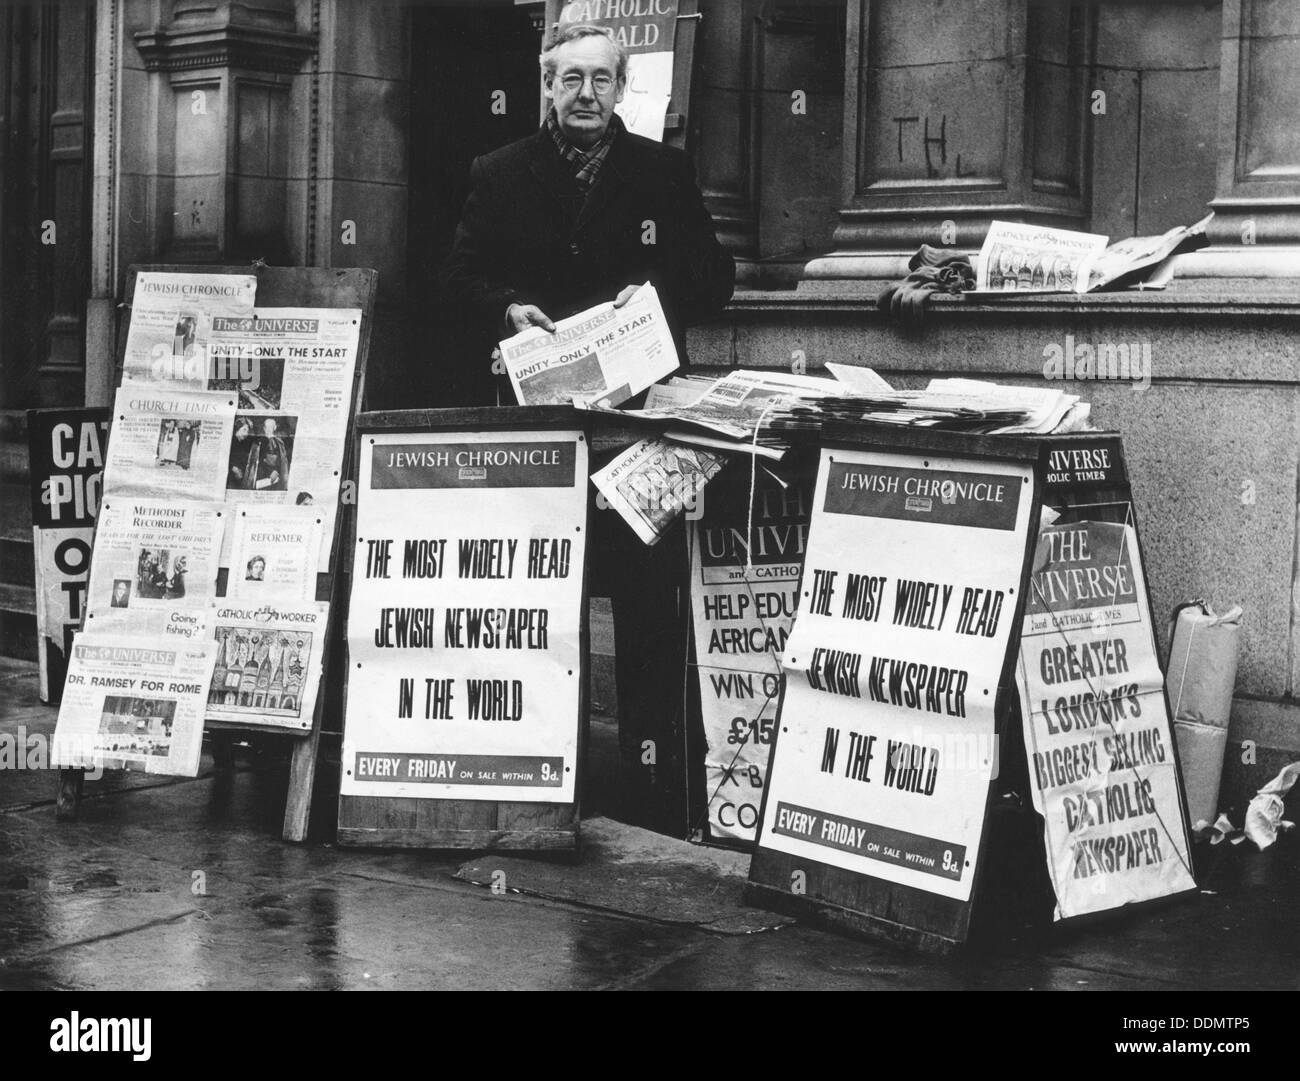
[(586, 164)]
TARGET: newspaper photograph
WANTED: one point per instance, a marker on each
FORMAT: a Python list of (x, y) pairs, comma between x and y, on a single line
[(652, 482), (1035, 259), (155, 566), (170, 442), (171, 324), (292, 372), (134, 703), (274, 552), (268, 662), (604, 354)]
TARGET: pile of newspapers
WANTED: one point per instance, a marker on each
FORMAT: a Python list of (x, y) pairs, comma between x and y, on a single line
[(599, 359), (699, 423), (757, 412)]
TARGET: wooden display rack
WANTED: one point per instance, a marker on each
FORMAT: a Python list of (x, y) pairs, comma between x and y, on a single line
[(277, 287)]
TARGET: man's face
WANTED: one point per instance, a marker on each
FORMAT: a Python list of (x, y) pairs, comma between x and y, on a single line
[(584, 114)]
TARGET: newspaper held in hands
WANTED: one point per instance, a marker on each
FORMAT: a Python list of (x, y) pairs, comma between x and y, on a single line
[(654, 481), (604, 354)]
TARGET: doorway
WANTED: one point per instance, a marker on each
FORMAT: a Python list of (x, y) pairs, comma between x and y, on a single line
[(474, 88)]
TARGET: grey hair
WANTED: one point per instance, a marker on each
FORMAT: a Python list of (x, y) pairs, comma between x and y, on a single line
[(563, 35)]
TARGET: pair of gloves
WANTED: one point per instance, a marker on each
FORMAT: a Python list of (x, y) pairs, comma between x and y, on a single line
[(933, 270)]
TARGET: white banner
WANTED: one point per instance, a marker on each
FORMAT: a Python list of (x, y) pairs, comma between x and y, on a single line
[(463, 633), (1101, 759), (886, 748), (742, 617)]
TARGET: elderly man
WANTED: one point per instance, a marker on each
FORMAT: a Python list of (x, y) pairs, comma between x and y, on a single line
[(583, 211), (579, 213)]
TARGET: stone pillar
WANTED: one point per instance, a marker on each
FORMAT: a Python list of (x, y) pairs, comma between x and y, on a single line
[(944, 132), (724, 124), (224, 127), (1256, 227)]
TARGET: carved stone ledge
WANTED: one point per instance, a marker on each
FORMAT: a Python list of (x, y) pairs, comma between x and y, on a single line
[(249, 48)]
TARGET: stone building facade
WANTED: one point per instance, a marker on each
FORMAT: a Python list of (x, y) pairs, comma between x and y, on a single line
[(831, 137)]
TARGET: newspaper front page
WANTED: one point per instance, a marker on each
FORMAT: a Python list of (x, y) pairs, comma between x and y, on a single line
[(268, 663), (171, 324), (653, 482), (1036, 259), (134, 704), (166, 441), (155, 566), (604, 354), (292, 371), (274, 552)]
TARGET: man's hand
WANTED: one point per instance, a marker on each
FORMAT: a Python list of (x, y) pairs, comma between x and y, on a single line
[(522, 316), (625, 294)]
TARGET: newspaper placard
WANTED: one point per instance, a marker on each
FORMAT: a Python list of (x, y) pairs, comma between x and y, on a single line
[(268, 663), (1102, 766), (887, 735), (1036, 259), (604, 354), (134, 703), (66, 455), (171, 324), (292, 370), (273, 552), (647, 31), (466, 607), (653, 482), (155, 567), (742, 610), (169, 442)]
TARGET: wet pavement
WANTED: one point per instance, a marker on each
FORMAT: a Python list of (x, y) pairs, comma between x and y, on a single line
[(185, 884)]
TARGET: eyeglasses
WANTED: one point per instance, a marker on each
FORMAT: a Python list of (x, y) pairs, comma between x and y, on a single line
[(601, 84)]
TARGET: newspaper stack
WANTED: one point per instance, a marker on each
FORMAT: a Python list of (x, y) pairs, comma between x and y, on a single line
[(700, 422)]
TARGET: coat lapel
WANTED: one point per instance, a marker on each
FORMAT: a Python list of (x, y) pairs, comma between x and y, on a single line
[(612, 180), (550, 172)]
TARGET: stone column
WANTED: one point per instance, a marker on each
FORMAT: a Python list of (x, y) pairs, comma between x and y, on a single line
[(224, 127), (946, 131), (1256, 227), (724, 124)]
